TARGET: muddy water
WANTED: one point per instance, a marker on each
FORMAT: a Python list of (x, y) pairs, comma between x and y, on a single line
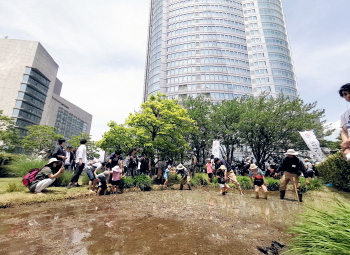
[(160, 222)]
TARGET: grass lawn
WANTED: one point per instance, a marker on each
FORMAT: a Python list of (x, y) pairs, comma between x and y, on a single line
[(23, 196)]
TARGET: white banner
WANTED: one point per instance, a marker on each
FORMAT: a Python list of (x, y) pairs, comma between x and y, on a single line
[(313, 144), (216, 148)]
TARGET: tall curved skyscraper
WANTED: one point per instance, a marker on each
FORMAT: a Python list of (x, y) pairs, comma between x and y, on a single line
[(218, 48)]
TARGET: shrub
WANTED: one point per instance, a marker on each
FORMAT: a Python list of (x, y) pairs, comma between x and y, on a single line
[(64, 179), (21, 165), (245, 182), (144, 182), (272, 184), (126, 183), (174, 179), (335, 170), (5, 160), (15, 187), (199, 179), (322, 232), (85, 179), (214, 182), (315, 184)]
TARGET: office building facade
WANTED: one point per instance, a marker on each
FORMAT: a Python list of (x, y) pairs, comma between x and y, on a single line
[(221, 49), (30, 90)]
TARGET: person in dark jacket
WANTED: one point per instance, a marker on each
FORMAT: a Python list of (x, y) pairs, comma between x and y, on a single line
[(292, 167), (59, 152)]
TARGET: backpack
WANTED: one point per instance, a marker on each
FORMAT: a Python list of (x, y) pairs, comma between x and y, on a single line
[(30, 176)]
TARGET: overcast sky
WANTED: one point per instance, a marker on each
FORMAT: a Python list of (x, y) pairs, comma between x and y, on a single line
[(100, 47)]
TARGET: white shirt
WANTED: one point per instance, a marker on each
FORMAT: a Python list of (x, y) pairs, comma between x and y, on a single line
[(81, 154), (68, 157), (344, 119)]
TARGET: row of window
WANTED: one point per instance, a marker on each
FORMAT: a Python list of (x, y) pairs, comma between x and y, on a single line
[(153, 87), (34, 101), (271, 12), (205, 21), (28, 89), (27, 116), (273, 6), (277, 48), (208, 77), (221, 29), (40, 87), (191, 38), (37, 76), (193, 69), (283, 73), (221, 36), (263, 89), (222, 21), (283, 81), (275, 33), (277, 56), (23, 123), (68, 125), (28, 107), (285, 91), (215, 60)]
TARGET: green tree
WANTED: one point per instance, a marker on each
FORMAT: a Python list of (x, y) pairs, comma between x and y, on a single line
[(226, 118), (40, 138), (161, 126), (118, 136), (199, 109), (270, 125), (91, 146), (9, 137)]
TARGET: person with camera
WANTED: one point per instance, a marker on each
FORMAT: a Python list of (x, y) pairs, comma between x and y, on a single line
[(47, 176)]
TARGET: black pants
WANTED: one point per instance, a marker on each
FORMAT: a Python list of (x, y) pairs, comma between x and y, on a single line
[(77, 172)]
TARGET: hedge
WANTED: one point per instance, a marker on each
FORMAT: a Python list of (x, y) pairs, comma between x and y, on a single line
[(335, 170)]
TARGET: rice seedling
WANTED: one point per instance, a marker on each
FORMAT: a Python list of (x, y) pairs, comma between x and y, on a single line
[(322, 232)]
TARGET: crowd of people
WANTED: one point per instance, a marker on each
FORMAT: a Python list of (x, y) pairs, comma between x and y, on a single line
[(105, 177)]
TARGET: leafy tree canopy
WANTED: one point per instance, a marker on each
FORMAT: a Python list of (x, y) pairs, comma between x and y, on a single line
[(40, 137), (161, 126), (9, 137)]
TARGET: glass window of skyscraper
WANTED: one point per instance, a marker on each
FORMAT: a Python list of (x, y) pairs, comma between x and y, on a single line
[(218, 48)]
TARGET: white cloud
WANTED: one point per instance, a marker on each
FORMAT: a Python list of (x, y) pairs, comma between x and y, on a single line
[(337, 130)]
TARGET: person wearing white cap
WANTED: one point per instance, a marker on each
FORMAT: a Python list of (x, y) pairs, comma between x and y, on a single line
[(46, 177), (258, 179), (292, 167), (180, 169), (222, 177)]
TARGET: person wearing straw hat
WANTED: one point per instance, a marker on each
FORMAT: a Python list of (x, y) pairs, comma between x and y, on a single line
[(258, 180), (292, 166), (222, 177), (180, 169), (46, 177)]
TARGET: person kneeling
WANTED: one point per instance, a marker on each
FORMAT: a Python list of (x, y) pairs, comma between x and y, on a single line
[(259, 180), (46, 177)]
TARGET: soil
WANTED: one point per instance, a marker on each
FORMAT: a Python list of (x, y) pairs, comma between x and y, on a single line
[(158, 222)]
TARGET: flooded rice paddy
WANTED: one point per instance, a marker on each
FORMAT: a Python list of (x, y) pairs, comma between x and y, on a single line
[(159, 222)]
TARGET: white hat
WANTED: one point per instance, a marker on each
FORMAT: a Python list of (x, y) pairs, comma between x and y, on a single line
[(291, 152), (253, 166), (52, 160), (222, 167), (42, 152), (180, 167)]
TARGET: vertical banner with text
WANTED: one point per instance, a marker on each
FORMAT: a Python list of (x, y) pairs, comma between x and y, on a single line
[(313, 144), (216, 148)]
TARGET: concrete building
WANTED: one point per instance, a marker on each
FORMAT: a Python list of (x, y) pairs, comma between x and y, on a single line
[(218, 48), (30, 90)]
